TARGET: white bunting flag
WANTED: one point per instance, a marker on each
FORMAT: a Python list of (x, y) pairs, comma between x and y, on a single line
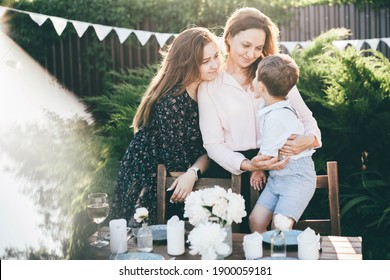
[(59, 24), (38, 18), (162, 38), (143, 36), (2, 11), (357, 44), (123, 33), (80, 27), (305, 44), (101, 30), (340, 44), (373, 43), (387, 41), (290, 46)]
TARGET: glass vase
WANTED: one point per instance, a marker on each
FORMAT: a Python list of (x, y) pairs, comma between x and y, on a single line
[(228, 240), (278, 244), (145, 239)]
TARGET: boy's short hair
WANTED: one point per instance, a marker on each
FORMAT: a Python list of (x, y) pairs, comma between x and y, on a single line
[(279, 73)]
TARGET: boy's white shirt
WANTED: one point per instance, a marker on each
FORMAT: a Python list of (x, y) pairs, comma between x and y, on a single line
[(277, 123)]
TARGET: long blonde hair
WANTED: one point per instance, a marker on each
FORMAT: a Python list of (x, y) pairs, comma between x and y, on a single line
[(180, 67), (247, 18)]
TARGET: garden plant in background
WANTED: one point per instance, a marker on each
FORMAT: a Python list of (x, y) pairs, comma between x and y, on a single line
[(349, 94)]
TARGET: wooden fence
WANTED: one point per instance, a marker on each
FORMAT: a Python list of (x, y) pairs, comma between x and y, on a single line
[(66, 59)]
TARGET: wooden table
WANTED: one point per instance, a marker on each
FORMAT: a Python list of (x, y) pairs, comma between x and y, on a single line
[(332, 248)]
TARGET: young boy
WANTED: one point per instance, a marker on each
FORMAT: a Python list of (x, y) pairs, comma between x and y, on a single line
[(290, 189)]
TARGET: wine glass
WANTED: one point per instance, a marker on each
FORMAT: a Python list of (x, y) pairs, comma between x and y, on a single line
[(98, 209)]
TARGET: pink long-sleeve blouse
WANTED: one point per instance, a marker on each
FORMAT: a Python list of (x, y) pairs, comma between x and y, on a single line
[(228, 120)]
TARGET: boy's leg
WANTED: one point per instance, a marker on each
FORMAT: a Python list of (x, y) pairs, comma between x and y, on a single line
[(259, 218), (296, 188)]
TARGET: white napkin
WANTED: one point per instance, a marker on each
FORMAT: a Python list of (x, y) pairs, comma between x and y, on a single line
[(282, 222), (308, 245), (118, 239), (253, 246), (175, 236)]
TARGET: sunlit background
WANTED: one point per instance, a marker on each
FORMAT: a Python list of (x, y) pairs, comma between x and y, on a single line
[(33, 108)]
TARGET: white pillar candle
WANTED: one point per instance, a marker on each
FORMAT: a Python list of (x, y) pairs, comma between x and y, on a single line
[(308, 250), (308, 245), (253, 246), (118, 236), (175, 236)]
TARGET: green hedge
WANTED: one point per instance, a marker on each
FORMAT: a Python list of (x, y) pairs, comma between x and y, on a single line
[(349, 94)]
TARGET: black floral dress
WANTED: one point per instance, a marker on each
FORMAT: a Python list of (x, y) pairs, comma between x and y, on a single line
[(172, 138)]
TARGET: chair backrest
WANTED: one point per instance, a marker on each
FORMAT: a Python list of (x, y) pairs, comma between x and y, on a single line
[(164, 181), (330, 182)]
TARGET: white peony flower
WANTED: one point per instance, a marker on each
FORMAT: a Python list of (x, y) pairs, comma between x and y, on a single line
[(215, 205), (211, 195), (235, 208), (141, 214), (220, 208), (208, 241), (194, 209)]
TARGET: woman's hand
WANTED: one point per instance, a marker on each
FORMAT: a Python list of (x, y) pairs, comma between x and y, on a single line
[(183, 186), (262, 162), (298, 143)]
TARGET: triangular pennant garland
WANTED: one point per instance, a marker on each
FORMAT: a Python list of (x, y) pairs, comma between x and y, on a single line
[(80, 27), (305, 44), (373, 43), (143, 36), (2, 11), (38, 18), (290, 46), (162, 38), (357, 44), (340, 44), (101, 30), (123, 33), (59, 24), (387, 41)]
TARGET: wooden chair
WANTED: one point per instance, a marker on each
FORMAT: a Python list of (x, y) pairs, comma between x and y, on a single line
[(330, 182), (164, 182)]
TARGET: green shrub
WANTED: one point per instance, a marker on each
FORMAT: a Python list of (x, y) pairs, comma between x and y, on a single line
[(114, 111), (349, 94)]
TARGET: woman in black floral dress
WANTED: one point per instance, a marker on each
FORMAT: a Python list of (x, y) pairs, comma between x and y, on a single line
[(166, 127)]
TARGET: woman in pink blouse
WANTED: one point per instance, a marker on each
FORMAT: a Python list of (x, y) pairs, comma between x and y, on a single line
[(228, 105)]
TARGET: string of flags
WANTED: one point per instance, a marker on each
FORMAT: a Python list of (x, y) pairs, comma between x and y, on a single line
[(143, 36)]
